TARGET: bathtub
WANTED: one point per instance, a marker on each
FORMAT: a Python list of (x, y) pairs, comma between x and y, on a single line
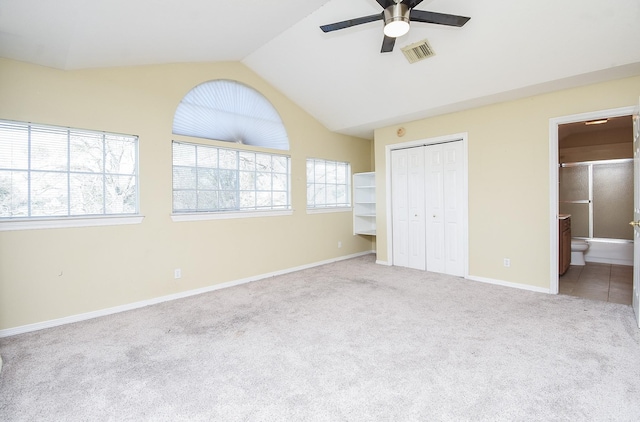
[(610, 251)]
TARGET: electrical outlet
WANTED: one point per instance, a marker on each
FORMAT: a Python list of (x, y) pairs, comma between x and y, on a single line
[(507, 262), (339, 244), (177, 273)]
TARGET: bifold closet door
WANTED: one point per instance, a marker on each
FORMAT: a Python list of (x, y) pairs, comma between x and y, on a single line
[(408, 218), (427, 199), (444, 208)]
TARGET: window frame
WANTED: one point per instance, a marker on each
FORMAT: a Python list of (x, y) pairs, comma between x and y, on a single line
[(348, 187), (198, 215), (70, 220)]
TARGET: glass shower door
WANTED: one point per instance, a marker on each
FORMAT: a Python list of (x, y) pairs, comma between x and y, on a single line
[(613, 200), (599, 197), (575, 198)]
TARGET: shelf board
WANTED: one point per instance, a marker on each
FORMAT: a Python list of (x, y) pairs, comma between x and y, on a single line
[(367, 232)]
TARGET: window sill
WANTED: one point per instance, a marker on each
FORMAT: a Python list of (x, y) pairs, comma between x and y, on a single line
[(68, 222), (200, 216), (328, 210)]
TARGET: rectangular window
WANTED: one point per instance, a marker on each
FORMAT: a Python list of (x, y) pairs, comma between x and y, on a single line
[(328, 184), (212, 179), (48, 171)]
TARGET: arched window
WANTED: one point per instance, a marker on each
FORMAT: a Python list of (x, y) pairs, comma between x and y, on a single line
[(226, 110)]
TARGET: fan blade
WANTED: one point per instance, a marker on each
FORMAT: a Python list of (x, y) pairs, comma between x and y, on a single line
[(387, 44), (412, 3), (437, 18), (386, 3), (351, 22)]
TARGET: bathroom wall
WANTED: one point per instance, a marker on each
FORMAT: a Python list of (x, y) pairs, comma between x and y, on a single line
[(612, 140)]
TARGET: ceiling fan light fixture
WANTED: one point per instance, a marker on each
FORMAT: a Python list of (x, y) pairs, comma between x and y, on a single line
[(396, 20)]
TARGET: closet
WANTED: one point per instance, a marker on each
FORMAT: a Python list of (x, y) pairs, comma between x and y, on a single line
[(427, 196)]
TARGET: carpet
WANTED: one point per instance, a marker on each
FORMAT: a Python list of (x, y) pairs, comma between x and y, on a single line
[(347, 341)]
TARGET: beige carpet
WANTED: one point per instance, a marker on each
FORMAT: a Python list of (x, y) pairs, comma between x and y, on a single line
[(350, 341)]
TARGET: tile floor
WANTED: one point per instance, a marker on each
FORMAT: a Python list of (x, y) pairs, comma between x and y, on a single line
[(611, 283)]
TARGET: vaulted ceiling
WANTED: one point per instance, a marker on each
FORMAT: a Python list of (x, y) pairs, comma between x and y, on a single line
[(509, 49)]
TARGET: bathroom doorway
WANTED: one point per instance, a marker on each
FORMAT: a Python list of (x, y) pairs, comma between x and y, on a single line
[(594, 175)]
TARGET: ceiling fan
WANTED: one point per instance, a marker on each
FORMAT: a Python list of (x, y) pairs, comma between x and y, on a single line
[(396, 16)]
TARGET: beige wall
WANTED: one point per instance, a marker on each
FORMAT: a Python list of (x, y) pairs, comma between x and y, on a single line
[(508, 152), (54, 273)]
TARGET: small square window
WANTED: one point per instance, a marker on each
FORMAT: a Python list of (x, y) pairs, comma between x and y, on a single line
[(328, 184)]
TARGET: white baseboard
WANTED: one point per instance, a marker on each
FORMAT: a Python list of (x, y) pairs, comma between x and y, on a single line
[(494, 281), (509, 284), (135, 305)]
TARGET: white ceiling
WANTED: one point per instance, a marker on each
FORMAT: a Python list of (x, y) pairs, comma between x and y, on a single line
[(509, 49)]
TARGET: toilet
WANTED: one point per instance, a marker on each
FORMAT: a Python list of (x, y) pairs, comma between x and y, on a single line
[(578, 248)]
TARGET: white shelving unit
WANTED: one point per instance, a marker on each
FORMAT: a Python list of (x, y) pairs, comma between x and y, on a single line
[(364, 203)]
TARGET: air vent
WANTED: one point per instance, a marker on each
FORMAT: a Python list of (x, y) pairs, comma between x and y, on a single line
[(418, 51)]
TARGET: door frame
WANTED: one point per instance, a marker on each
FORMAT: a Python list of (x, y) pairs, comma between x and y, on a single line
[(554, 207), (462, 137)]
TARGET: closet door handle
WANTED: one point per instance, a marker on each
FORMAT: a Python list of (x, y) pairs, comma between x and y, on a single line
[(635, 223)]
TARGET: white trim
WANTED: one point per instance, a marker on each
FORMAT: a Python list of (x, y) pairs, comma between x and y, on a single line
[(200, 216), (327, 210), (554, 280), (67, 222), (463, 137), (135, 305), (554, 210), (509, 284)]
